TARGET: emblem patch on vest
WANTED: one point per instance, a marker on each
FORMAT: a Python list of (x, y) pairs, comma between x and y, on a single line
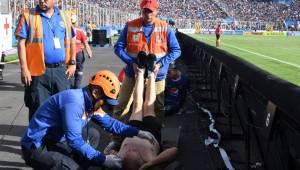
[(135, 38), (158, 39), (62, 24)]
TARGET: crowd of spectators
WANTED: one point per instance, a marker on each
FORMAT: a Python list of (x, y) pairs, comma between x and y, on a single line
[(251, 10), (245, 10), (241, 10)]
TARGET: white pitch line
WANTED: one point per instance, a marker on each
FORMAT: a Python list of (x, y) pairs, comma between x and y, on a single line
[(265, 56), (262, 55)]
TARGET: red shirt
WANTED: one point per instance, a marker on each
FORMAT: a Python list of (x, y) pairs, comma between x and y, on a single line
[(218, 31), (80, 39), (121, 76)]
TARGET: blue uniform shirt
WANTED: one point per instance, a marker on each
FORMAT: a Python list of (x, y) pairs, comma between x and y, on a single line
[(173, 51), (175, 90), (52, 27), (61, 117)]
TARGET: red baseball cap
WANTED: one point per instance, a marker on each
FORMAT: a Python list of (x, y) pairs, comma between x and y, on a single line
[(150, 4)]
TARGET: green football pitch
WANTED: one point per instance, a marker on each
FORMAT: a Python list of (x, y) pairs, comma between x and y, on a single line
[(278, 55)]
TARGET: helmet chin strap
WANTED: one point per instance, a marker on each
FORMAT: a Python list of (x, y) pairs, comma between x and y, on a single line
[(98, 104)]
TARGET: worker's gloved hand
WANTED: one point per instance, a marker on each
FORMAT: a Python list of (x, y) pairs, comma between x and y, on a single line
[(146, 135), (113, 161)]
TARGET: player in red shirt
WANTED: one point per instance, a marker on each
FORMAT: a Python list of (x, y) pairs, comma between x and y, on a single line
[(81, 43), (218, 34)]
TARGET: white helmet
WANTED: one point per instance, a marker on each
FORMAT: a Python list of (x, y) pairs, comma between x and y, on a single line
[(73, 19)]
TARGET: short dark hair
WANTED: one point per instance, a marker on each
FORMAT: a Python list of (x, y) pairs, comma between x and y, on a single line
[(172, 65)]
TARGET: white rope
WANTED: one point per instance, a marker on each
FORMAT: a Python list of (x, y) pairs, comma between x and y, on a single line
[(214, 141)]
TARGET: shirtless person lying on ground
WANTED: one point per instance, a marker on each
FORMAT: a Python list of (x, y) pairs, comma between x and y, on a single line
[(139, 153)]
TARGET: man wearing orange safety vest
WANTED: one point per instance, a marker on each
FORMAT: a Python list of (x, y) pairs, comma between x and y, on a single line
[(46, 50), (150, 35), (81, 43)]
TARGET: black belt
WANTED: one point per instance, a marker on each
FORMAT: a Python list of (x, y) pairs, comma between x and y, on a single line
[(54, 65)]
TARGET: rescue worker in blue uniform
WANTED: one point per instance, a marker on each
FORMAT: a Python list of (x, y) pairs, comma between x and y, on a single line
[(177, 86), (53, 139), (46, 50)]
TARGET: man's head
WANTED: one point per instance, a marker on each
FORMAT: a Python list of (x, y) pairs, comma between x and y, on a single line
[(132, 161), (149, 10), (173, 72), (45, 5), (73, 19), (104, 88)]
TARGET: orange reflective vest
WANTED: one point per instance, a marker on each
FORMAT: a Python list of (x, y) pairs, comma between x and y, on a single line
[(34, 42), (136, 40)]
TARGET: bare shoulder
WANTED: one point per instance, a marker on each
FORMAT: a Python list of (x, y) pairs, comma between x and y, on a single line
[(139, 142)]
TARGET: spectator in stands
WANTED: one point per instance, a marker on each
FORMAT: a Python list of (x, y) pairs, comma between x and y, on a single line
[(152, 36), (53, 139), (45, 48), (139, 153), (81, 43), (177, 85)]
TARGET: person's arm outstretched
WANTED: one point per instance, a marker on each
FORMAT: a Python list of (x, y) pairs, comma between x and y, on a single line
[(161, 160)]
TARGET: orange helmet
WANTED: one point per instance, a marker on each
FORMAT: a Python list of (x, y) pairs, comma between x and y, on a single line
[(110, 84)]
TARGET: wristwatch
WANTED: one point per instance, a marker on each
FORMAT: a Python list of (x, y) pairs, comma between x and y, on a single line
[(73, 62)]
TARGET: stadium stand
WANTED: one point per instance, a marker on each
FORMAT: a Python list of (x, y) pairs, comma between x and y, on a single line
[(243, 10)]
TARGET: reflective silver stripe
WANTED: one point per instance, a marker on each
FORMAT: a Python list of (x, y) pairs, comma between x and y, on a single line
[(80, 73), (31, 23), (140, 29), (37, 40), (135, 29), (160, 29), (158, 55)]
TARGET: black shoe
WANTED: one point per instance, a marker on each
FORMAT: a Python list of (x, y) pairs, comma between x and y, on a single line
[(141, 59), (151, 59)]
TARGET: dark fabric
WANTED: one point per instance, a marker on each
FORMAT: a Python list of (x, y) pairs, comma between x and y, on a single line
[(287, 95), (171, 109), (79, 70), (151, 124), (217, 36), (59, 155), (42, 87), (43, 159)]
